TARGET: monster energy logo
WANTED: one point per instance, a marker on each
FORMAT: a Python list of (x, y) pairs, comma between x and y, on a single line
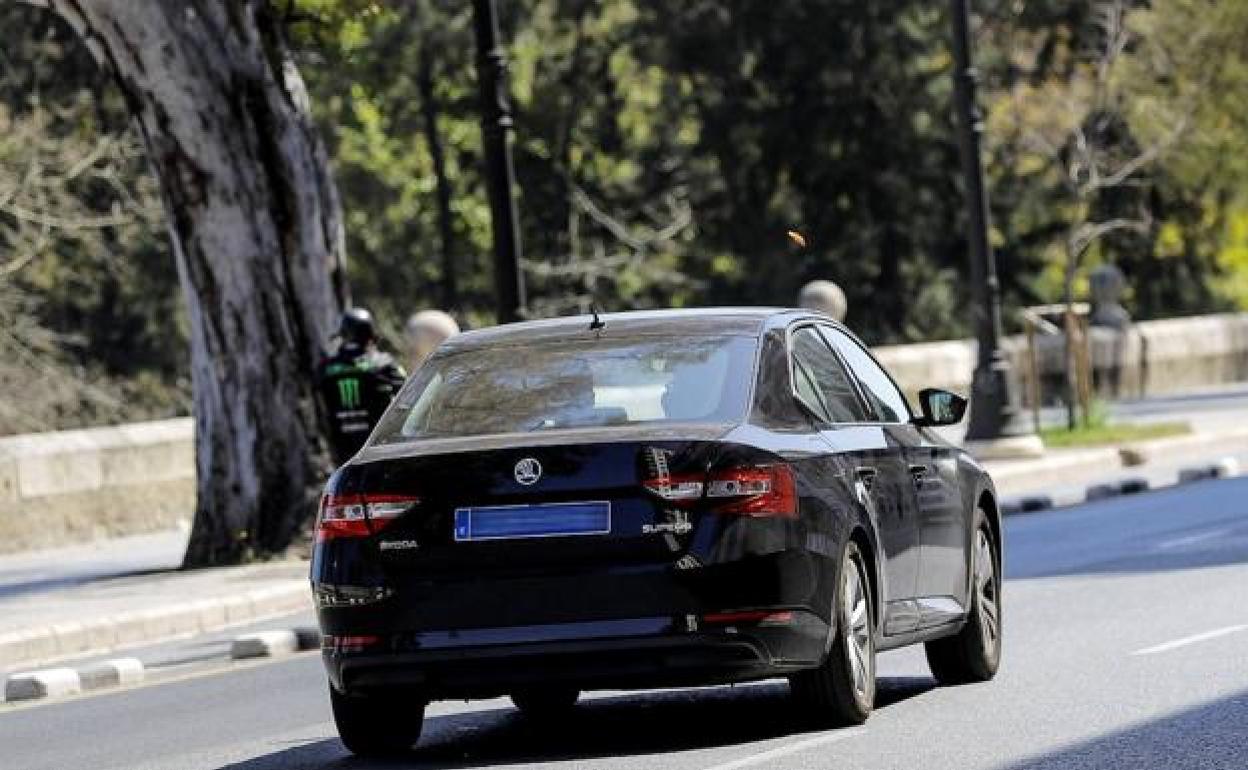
[(349, 393)]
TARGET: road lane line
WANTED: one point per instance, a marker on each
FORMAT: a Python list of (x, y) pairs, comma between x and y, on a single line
[(1180, 542), (1185, 641), (793, 748)]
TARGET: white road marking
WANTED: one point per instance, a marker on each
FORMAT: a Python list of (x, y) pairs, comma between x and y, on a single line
[(764, 757), (1185, 641), (1180, 542)]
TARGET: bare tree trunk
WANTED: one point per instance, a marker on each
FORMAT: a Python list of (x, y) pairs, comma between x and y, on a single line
[(257, 234), (1068, 327)]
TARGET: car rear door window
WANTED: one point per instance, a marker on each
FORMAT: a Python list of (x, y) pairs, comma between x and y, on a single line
[(886, 400), (821, 381)]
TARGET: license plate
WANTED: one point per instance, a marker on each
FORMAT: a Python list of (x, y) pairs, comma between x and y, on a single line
[(504, 522)]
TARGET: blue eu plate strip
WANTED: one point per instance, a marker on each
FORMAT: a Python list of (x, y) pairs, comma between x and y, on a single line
[(544, 520)]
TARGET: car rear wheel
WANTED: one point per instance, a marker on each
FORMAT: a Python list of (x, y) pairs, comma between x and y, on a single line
[(974, 653), (378, 724), (545, 702), (842, 689)]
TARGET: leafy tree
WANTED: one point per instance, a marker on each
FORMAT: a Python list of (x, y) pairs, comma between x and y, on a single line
[(1192, 60), (90, 324), (663, 150), (831, 117)]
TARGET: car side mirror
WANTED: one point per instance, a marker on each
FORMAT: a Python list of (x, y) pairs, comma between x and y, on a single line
[(940, 407)]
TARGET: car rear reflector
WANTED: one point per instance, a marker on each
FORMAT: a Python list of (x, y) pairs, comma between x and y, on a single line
[(359, 515), (759, 617), (348, 643)]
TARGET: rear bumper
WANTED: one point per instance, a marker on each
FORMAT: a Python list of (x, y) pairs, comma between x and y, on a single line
[(675, 658)]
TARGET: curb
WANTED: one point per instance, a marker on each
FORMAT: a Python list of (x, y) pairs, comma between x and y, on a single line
[(63, 682), (1026, 504), (1225, 468), (112, 673), (1052, 470), (63, 640), (271, 644), (1058, 470), (66, 681), (1140, 452)]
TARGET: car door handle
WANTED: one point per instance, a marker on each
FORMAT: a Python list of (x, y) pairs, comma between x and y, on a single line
[(866, 476)]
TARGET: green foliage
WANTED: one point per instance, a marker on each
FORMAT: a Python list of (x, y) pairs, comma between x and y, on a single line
[(90, 322), (1165, 98), (1192, 64), (1111, 434), (663, 149)]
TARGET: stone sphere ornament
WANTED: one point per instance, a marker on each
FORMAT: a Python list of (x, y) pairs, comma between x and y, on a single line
[(825, 297)]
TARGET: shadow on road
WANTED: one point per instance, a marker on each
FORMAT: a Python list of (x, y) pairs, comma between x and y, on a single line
[(13, 584), (644, 724), (1208, 737)]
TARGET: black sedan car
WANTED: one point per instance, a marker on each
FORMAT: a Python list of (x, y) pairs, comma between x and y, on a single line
[(650, 499)]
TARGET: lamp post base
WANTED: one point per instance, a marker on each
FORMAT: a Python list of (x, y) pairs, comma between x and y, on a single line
[(996, 430)]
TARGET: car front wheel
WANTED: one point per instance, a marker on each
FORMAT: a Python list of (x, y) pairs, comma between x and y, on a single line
[(974, 653), (378, 724)]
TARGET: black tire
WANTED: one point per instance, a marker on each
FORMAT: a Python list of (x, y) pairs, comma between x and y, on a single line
[(378, 724), (974, 653), (842, 689), (546, 702)]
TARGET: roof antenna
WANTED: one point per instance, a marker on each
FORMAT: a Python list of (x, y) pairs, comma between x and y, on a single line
[(597, 323)]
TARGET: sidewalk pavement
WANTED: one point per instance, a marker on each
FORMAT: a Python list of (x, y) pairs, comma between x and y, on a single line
[(42, 622), (48, 569)]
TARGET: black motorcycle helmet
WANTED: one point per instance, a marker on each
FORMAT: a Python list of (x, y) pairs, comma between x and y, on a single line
[(356, 327)]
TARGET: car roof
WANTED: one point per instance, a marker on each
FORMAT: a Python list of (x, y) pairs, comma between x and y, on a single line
[(739, 321)]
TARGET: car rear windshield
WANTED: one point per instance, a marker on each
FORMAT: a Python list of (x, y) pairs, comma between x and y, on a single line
[(576, 384)]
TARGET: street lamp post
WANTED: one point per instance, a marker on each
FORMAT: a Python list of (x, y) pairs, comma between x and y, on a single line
[(500, 173), (994, 423)]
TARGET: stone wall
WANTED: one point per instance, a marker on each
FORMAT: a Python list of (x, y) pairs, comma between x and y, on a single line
[(57, 488), (1151, 358), (72, 486)]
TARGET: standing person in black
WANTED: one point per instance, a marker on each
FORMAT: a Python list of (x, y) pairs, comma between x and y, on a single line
[(357, 383)]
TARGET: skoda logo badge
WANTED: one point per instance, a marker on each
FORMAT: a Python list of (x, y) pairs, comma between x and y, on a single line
[(528, 471)]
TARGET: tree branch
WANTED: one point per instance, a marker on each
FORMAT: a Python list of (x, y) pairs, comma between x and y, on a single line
[(1088, 233)]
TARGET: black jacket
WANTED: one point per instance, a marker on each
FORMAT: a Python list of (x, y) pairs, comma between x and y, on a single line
[(357, 385)]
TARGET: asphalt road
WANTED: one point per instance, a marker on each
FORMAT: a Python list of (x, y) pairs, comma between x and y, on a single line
[(1126, 647)]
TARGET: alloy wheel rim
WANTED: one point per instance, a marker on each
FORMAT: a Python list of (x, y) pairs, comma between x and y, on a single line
[(987, 598), (857, 624)]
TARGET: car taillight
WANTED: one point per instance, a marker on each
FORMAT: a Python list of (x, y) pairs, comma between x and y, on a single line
[(359, 515), (676, 489), (761, 491), (768, 491)]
